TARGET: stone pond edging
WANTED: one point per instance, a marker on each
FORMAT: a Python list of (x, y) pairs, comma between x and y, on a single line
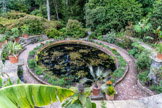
[(94, 45)]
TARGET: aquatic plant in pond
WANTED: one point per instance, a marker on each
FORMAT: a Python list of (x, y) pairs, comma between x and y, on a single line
[(67, 64)]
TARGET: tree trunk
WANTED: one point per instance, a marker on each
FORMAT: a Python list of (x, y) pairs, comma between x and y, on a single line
[(55, 5), (48, 10)]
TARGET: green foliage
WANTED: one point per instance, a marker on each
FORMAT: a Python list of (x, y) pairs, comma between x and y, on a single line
[(53, 33), (110, 91), (103, 104), (143, 76), (111, 14), (38, 70), (80, 99), (136, 50), (31, 95), (112, 80), (32, 63), (25, 29), (159, 48), (143, 61), (32, 53), (156, 16), (147, 6), (118, 73), (15, 32), (14, 15), (111, 36), (2, 39), (142, 28), (74, 29), (12, 48)]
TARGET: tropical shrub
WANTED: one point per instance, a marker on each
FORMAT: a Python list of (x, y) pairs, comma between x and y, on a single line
[(105, 15), (15, 32), (111, 36), (32, 63), (147, 6), (156, 16), (143, 61), (38, 70), (53, 33), (14, 15), (110, 91), (74, 29), (80, 99)]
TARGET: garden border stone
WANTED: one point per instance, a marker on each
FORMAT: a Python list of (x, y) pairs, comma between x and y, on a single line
[(145, 89)]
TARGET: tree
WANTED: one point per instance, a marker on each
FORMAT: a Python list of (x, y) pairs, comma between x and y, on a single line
[(30, 95), (48, 10), (104, 15)]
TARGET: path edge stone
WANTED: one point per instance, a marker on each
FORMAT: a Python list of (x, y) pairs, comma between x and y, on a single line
[(145, 89)]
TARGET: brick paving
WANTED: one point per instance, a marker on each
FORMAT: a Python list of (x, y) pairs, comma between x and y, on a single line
[(127, 89)]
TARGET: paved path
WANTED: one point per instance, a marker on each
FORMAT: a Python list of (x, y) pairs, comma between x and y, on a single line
[(127, 88), (24, 55)]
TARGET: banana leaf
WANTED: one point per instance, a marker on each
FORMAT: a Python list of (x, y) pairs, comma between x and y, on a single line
[(30, 95)]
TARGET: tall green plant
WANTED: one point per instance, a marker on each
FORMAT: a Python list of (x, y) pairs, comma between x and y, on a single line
[(80, 99), (104, 15), (31, 95)]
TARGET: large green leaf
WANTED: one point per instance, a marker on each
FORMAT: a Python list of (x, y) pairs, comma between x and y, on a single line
[(30, 95)]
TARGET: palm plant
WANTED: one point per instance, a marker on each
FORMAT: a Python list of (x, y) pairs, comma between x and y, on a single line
[(13, 48), (80, 99), (30, 95), (98, 75)]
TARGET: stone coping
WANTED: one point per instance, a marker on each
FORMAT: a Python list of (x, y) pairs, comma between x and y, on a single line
[(145, 89), (105, 50)]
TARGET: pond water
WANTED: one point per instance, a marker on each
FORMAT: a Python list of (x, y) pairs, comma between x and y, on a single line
[(71, 61)]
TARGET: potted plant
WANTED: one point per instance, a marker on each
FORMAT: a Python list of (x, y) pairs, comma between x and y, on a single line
[(13, 48), (110, 92), (25, 30), (97, 76), (159, 49), (16, 34), (2, 41)]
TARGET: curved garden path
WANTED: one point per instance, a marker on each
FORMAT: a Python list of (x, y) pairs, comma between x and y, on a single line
[(127, 89)]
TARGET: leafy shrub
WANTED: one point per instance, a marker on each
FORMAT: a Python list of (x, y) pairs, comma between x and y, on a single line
[(156, 16), (118, 73), (111, 14), (143, 61), (14, 15), (74, 29), (111, 36), (32, 63), (143, 76), (53, 33), (32, 53), (110, 91), (38, 70)]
